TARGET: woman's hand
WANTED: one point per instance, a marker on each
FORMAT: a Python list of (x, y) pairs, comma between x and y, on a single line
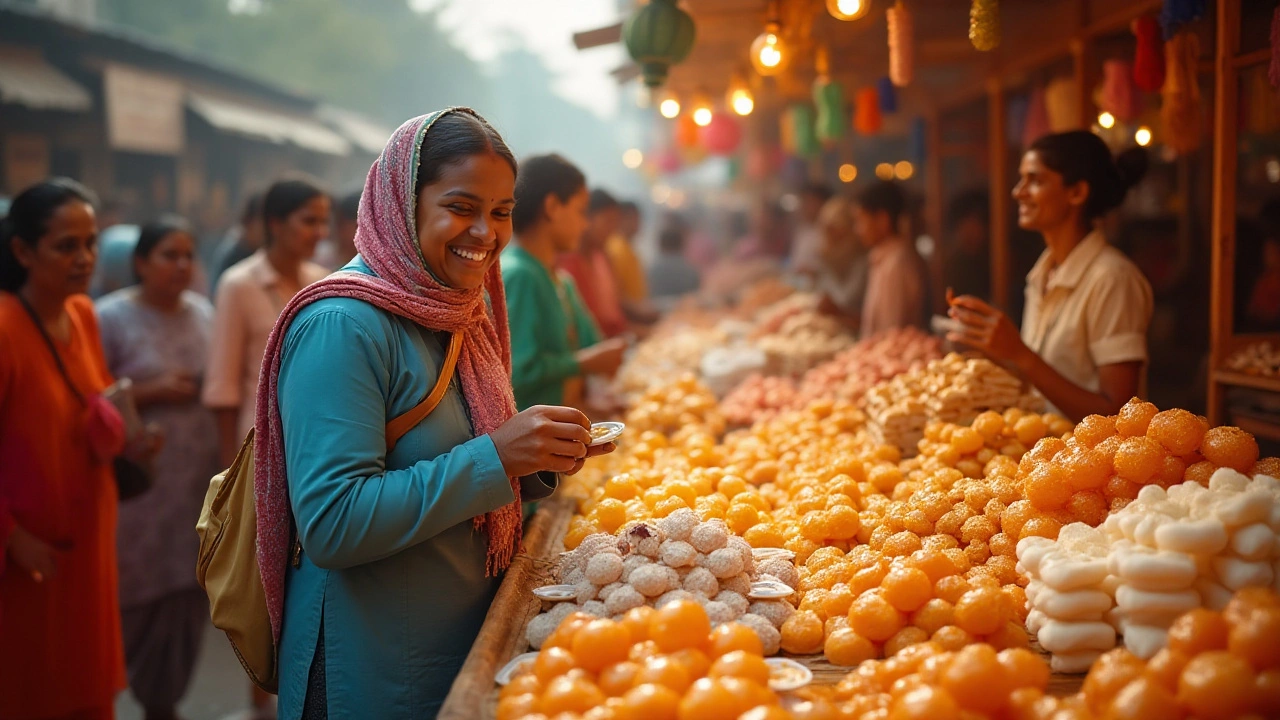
[(591, 452), (170, 388), (603, 358), (37, 557), (986, 329), (544, 437)]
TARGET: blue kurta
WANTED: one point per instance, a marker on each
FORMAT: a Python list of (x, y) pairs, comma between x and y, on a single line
[(391, 565)]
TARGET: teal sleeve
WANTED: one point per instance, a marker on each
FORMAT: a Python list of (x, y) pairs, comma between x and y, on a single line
[(588, 331), (349, 508), (532, 366)]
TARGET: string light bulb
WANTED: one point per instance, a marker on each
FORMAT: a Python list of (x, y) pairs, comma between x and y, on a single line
[(740, 99), (632, 159), (884, 171), (669, 107), (1143, 136), (848, 9), (701, 109), (903, 170), (769, 53), (1106, 120), (848, 173)]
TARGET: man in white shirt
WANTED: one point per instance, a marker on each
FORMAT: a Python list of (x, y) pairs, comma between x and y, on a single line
[(896, 284)]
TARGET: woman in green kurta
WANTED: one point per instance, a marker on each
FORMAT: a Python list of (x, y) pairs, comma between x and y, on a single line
[(554, 341), (402, 547)]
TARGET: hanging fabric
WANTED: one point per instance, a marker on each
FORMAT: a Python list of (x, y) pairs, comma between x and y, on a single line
[(1118, 97), (901, 44), (984, 24), (833, 115), (1180, 108), (1062, 102), (1148, 58), (888, 96), (866, 118), (1177, 13)]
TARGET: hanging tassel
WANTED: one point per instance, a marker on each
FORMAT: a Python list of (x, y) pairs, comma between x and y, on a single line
[(902, 48), (1177, 13), (1180, 109), (1061, 101), (984, 24), (1273, 73), (1118, 95), (833, 117), (888, 95), (867, 119), (1037, 118), (1148, 59)]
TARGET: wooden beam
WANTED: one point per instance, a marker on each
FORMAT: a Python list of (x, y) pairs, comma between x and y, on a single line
[(598, 37), (999, 194), (1222, 254)]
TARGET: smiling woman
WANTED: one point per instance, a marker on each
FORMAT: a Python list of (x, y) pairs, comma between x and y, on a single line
[(402, 542)]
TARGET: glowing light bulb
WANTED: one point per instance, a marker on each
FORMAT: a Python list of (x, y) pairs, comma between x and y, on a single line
[(848, 173), (1143, 136), (702, 116), (1107, 120), (848, 9), (632, 159), (742, 102), (903, 170), (884, 171), (669, 108), (769, 54)]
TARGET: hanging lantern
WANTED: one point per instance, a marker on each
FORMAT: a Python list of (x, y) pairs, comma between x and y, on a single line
[(1063, 104), (769, 54), (798, 136), (901, 44), (658, 36), (1118, 97), (686, 131), (833, 116), (1176, 13), (867, 119), (888, 96), (1037, 118), (984, 24), (740, 99), (848, 9), (722, 135), (1148, 57), (762, 162), (1180, 106), (668, 160)]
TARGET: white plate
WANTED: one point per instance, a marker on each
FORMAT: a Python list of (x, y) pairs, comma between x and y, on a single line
[(769, 590), (786, 674), (614, 432), (556, 593), (770, 553), (509, 670)]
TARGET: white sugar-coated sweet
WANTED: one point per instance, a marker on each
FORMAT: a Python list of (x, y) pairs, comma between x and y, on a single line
[(1035, 621), (1157, 571), (1235, 573), (1131, 599), (1111, 584), (1059, 636), (1073, 663), (1145, 532), (1082, 538), (1228, 480), (1153, 618), (1072, 573), (1144, 640), (1246, 508), (1033, 590), (1031, 551), (1253, 542), (1112, 526), (1152, 494), (1212, 594), (1115, 617), (1194, 537), (1129, 524), (1074, 604)]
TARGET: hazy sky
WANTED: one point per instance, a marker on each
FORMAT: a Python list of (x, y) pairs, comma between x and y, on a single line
[(483, 27)]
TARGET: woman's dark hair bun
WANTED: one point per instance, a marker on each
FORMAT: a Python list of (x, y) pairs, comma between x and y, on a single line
[(1133, 164), (1081, 156)]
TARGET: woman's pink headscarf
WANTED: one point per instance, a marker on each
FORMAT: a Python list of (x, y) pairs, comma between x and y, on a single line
[(387, 239)]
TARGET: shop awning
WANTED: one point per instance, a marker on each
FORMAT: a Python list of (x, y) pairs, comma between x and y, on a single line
[(365, 134), (29, 80), (268, 124)]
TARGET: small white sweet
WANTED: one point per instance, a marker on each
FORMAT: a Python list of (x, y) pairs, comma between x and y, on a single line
[(1072, 573), (1031, 550), (1247, 508), (1157, 571), (1150, 618), (584, 592), (1033, 590), (775, 611), (701, 581), (595, 608), (1235, 573), (604, 568), (784, 570), (770, 636), (677, 554), (573, 577), (1254, 542), (709, 536), (560, 611), (725, 563), (1074, 604), (1035, 621), (1212, 594), (1133, 600), (540, 628), (740, 584), (608, 590), (1228, 480), (1058, 636), (1115, 617), (679, 524), (1144, 640), (631, 563), (736, 602), (718, 612), (651, 580), (1194, 537), (1073, 663), (672, 596), (623, 599), (744, 550), (1145, 532)]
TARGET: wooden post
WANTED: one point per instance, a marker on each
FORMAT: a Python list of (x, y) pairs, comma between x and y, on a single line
[(1000, 198), (934, 203), (1222, 263)]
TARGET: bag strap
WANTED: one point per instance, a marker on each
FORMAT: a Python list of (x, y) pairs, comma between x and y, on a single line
[(53, 349), (397, 428)]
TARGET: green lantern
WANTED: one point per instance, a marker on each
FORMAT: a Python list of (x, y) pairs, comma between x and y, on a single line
[(798, 129), (833, 116), (658, 36)]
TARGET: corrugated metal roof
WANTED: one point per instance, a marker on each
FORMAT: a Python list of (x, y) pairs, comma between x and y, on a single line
[(267, 124), (366, 134), (29, 80)]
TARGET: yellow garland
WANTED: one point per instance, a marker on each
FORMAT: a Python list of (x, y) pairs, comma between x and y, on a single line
[(984, 24)]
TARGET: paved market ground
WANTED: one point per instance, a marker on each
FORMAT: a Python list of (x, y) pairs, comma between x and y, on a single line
[(219, 691)]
